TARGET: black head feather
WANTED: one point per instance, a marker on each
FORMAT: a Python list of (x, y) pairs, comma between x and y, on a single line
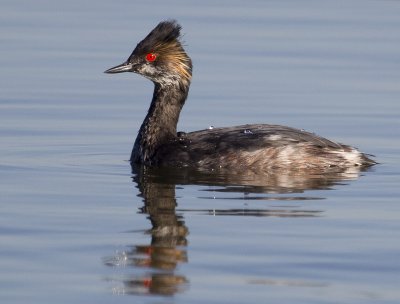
[(165, 33)]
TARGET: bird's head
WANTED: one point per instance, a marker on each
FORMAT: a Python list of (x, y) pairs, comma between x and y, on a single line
[(160, 57)]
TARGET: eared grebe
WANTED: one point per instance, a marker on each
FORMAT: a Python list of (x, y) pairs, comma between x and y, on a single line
[(161, 58)]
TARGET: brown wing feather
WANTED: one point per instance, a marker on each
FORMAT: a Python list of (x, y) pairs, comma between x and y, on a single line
[(260, 147), (257, 136)]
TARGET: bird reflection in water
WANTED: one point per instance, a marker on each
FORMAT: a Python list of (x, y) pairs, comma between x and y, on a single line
[(168, 246)]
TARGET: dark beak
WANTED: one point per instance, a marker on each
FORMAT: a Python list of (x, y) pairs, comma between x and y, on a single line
[(124, 67)]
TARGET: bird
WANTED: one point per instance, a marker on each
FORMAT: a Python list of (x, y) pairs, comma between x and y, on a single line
[(161, 58)]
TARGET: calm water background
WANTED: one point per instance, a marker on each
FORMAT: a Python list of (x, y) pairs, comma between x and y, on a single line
[(72, 226)]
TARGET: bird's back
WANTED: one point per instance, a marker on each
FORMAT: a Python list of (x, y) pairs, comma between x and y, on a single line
[(260, 147)]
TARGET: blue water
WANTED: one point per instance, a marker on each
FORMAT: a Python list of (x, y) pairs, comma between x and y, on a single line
[(77, 226)]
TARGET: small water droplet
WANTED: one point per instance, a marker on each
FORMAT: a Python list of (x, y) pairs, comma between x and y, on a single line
[(247, 131)]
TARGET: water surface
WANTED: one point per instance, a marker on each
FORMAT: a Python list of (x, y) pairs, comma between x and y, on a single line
[(77, 225)]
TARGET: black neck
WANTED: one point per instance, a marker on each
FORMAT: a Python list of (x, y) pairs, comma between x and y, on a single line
[(159, 126)]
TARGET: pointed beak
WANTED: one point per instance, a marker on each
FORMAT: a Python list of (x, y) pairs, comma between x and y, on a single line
[(124, 67)]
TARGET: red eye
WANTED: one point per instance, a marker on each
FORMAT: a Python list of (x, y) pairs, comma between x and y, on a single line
[(151, 57)]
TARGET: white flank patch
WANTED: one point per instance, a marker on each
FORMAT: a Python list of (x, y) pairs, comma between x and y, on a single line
[(286, 154), (352, 157)]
